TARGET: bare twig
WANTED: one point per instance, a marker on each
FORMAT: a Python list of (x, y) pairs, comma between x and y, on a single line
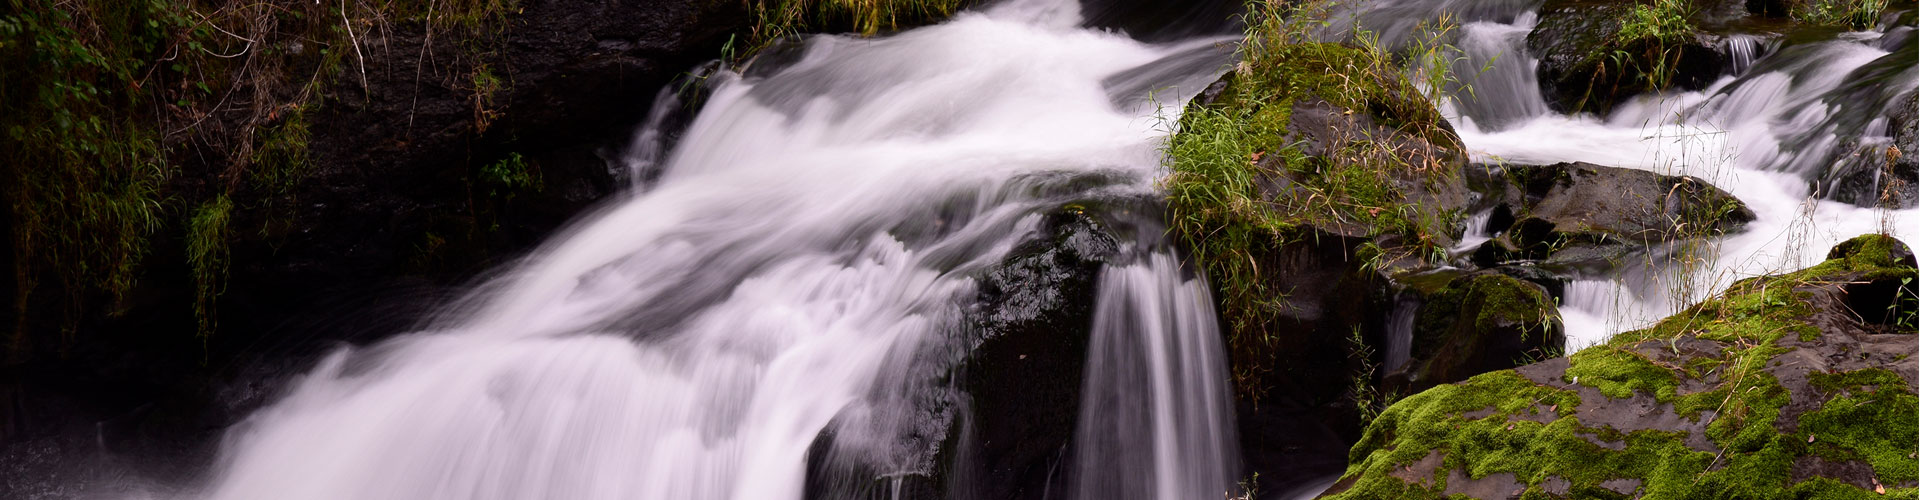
[(365, 90)]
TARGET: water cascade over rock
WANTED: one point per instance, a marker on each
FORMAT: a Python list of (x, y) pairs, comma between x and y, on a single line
[(805, 253)]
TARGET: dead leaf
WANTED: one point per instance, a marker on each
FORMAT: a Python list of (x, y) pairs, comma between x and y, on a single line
[(1509, 426), (1553, 408), (1877, 488), (1809, 438)]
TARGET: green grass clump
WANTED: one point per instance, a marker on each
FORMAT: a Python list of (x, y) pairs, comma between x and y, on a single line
[(1222, 150), (774, 19), (1851, 14), (1648, 43), (207, 255), (1660, 20)]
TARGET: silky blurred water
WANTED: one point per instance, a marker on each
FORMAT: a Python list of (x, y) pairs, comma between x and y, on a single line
[(813, 228)]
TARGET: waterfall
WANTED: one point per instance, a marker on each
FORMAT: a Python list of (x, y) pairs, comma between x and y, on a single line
[(1154, 332), (1497, 86), (1400, 332), (806, 242), (1760, 134)]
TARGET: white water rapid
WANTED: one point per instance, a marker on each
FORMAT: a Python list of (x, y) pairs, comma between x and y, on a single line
[(811, 236), (1774, 122)]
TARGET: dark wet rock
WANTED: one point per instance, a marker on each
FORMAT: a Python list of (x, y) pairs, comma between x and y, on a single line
[(1326, 132), (1587, 216), (1585, 66), (1297, 408), (1477, 323), (1022, 379), (1876, 171), (1305, 417), (1152, 21), (1774, 388)]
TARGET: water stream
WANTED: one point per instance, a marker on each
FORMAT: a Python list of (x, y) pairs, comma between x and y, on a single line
[(808, 240), (799, 257)]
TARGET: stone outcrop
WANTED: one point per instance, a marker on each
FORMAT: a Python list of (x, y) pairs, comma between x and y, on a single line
[(1776, 388)]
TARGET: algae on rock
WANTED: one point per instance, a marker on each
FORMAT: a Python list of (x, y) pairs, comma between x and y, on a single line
[(1773, 389)]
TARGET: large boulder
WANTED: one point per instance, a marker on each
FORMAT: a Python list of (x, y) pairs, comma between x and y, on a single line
[(1588, 65), (1023, 378), (1478, 322), (993, 406), (1591, 217), (1300, 191), (1774, 389)]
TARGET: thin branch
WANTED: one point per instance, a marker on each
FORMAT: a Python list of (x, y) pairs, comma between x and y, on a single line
[(365, 90)]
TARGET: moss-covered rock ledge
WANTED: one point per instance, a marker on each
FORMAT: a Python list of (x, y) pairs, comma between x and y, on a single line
[(1799, 385)]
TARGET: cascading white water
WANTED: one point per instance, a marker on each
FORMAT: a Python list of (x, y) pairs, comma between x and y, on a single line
[(1498, 87), (1154, 331), (811, 232), (1760, 133), (1399, 334)]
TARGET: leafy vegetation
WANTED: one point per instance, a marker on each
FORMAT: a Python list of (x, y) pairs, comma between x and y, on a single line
[(207, 254), (106, 104), (1648, 44), (1852, 14), (1223, 151), (83, 176), (774, 19)]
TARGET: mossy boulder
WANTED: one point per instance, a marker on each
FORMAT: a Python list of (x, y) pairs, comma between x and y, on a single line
[(1478, 323), (1591, 58), (1587, 216), (1299, 181), (1775, 388)]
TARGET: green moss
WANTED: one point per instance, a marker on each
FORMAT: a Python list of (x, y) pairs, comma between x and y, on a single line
[(1505, 300), (1868, 252), (1854, 380), (1869, 415), (1618, 372), (1222, 150)]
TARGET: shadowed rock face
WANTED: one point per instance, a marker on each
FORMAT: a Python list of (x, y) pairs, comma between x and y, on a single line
[(1481, 322), (1155, 21), (1776, 386)]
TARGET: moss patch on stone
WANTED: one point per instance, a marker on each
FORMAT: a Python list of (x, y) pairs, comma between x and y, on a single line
[(1243, 184), (1720, 362)]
